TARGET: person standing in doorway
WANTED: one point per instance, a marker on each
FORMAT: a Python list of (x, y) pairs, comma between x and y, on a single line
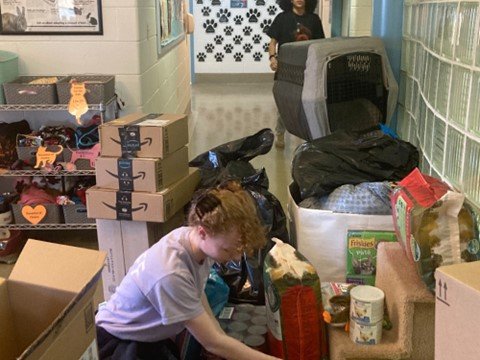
[(297, 22)]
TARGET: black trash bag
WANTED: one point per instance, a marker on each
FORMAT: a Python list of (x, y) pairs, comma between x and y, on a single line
[(242, 149), (322, 165), (230, 162)]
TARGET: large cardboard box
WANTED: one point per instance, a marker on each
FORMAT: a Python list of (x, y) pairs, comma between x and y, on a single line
[(321, 235), (457, 315), (141, 206), (125, 241), (144, 135), (109, 234), (46, 305), (141, 174)]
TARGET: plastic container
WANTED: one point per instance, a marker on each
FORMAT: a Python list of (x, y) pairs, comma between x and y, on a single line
[(237, 326), (370, 334), (235, 335), (366, 304), (261, 310), (256, 342), (257, 330), (8, 70), (241, 316), (259, 320)]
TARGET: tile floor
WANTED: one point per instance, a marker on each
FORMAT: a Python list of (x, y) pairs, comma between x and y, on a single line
[(220, 113)]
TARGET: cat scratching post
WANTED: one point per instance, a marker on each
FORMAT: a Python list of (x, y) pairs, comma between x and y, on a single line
[(411, 308)]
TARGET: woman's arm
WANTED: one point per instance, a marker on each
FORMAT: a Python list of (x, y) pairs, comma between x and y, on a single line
[(207, 331), (272, 51)]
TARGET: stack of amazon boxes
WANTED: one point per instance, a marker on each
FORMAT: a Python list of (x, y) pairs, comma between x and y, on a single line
[(143, 184)]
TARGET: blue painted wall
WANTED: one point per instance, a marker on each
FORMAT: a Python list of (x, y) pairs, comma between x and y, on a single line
[(337, 8), (387, 25)]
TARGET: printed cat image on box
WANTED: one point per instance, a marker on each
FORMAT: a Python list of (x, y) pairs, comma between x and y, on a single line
[(362, 254)]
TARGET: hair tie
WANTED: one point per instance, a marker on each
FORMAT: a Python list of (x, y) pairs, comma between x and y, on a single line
[(206, 203)]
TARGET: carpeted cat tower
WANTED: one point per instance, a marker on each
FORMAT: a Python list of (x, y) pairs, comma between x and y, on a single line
[(411, 308)]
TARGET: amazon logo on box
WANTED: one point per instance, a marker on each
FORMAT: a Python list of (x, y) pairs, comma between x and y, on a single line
[(158, 206), (141, 174)]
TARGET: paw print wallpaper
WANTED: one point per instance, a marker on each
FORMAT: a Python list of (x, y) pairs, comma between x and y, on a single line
[(223, 15), (247, 47), (253, 15), (228, 30), (232, 35), (210, 26), (247, 30), (265, 25), (237, 39)]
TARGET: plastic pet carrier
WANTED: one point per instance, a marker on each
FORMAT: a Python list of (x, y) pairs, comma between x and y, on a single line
[(330, 84)]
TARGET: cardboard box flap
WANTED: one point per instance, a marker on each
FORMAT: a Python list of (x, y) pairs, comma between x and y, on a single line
[(7, 328), (128, 119), (141, 119), (466, 273), (161, 120), (52, 265), (49, 335)]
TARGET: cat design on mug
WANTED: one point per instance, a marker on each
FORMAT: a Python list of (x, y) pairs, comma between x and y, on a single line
[(46, 157), (14, 23)]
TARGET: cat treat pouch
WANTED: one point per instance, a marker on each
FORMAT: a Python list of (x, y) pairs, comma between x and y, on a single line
[(296, 329)]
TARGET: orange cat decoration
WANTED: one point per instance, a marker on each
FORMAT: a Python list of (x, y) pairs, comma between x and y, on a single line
[(46, 157), (78, 104)]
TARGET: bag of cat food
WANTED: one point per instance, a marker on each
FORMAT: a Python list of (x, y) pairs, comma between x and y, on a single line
[(296, 329), (434, 225)]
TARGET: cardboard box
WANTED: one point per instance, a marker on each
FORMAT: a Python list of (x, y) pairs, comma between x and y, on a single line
[(457, 317), (362, 254), (141, 174), (124, 242), (46, 305), (143, 135), (141, 206), (321, 234), (109, 234)]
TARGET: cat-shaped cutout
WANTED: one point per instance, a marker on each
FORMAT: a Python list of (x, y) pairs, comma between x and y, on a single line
[(46, 157), (90, 154), (77, 105)]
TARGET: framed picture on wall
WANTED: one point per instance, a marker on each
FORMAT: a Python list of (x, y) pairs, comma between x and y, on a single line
[(238, 4), (51, 17), (170, 19)]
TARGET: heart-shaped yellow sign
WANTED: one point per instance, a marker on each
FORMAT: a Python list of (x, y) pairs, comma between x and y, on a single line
[(34, 215)]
